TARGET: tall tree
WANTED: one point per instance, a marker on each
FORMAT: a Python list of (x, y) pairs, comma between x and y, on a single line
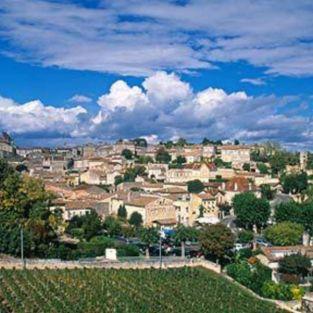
[(184, 233), (149, 236), (122, 212), (162, 156), (250, 210), (135, 219), (216, 240)]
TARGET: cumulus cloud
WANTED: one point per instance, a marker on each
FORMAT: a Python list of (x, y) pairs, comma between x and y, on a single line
[(211, 112), (123, 96), (80, 99), (140, 37), (35, 118), (155, 112)]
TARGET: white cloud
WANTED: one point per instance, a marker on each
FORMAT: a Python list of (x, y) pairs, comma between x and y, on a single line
[(123, 96), (80, 99), (131, 111), (212, 113), (166, 88), (164, 35), (253, 81), (35, 117)]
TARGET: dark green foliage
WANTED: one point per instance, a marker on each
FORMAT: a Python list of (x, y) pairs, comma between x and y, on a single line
[(162, 156), (251, 276), (220, 163), (24, 203), (267, 192), (127, 154), (135, 219), (245, 236), (87, 226), (140, 142), (296, 213), (131, 173), (277, 162), (118, 180), (145, 159), (262, 168), (246, 167), (5, 171), (193, 290), (295, 264), (294, 183), (122, 212), (195, 186), (250, 210), (112, 226), (207, 141), (216, 240)]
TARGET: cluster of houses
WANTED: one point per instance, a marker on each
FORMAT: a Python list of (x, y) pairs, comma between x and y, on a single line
[(84, 179)]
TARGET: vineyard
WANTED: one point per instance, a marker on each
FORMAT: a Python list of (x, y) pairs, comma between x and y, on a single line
[(96, 290)]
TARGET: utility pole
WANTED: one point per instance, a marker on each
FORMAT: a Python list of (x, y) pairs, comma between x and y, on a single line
[(160, 249), (22, 248)]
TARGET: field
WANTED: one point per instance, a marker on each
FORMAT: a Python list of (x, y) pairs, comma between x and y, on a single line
[(192, 290)]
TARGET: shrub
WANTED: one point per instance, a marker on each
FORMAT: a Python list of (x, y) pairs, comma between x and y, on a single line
[(273, 290)]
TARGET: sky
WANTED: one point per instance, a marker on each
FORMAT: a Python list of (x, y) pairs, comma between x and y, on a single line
[(74, 71)]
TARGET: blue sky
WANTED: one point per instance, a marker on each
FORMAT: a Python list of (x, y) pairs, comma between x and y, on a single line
[(80, 71)]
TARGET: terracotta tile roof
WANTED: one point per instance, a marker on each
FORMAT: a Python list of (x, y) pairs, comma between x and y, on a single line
[(141, 201), (276, 253), (79, 205), (206, 196), (235, 147), (240, 184)]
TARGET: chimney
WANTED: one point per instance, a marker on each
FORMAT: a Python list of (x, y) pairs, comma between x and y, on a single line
[(250, 186), (223, 185), (235, 187)]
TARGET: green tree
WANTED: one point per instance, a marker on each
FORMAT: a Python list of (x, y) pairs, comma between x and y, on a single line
[(5, 171), (246, 167), (245, 236), (140, 142), (184, 233), (131, 173), (284, 234), (195, 186), (162, 156), (277, 162), (118, 180), (112, 226), (127, 154), (294, 183), (122, 212), (296, 213), (216, 240), (250, 210), (295, 264), (263, 169), (267, 192), (149, 236), (136, 219)]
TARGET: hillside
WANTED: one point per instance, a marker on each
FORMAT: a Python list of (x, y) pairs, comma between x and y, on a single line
[(192, 290)]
